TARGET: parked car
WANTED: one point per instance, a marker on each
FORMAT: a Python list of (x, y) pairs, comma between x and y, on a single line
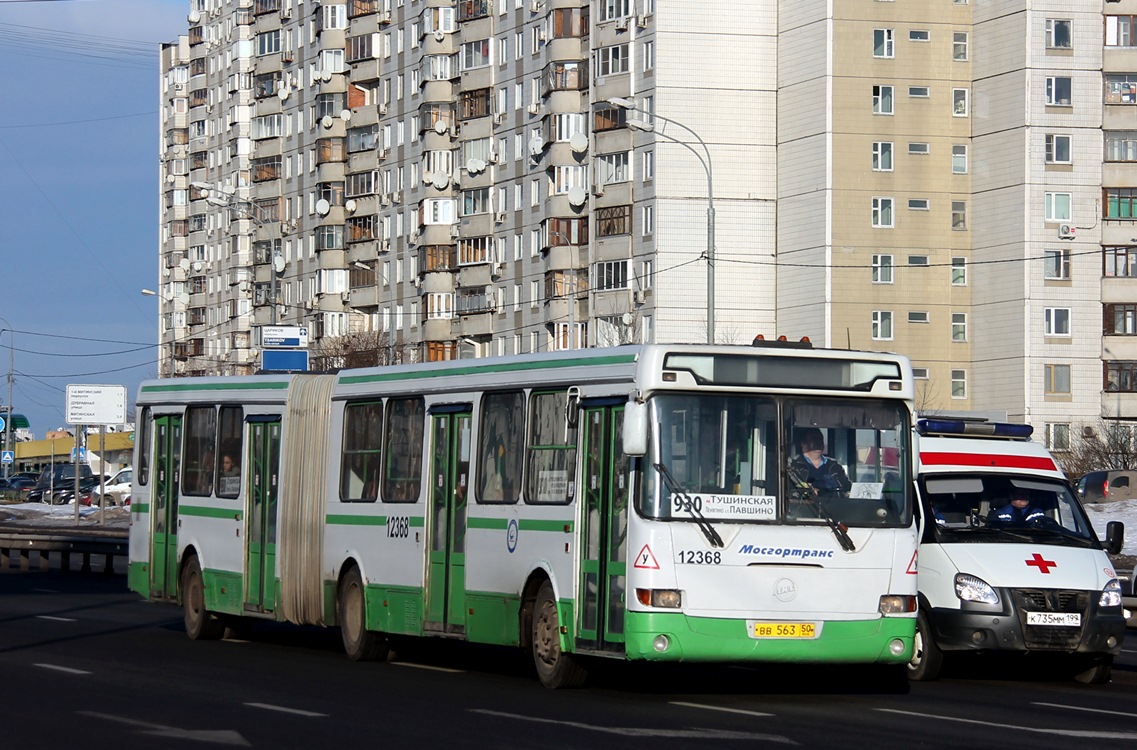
[(1107, 486), (56, 478), (21, 483), (115, 489)]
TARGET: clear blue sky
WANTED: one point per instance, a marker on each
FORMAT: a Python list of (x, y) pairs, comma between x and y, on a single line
[(79, 98)]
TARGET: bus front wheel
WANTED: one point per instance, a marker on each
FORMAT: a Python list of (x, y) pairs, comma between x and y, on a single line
[(555, 668), (927, 659), (201, 624), (360, 643)]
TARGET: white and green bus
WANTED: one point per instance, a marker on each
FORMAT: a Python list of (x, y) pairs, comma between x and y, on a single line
[(638, 502)]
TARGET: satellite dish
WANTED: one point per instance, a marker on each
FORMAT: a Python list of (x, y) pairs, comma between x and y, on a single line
[(183, 298), (166, 271), (194, 16), (578, 143), (427, 176), (480, 164), (327, 75), (349, 206), (168, 296), (278, 263), (327, 121), (627, 319), (440, 127), (577, 196), (184, 264), (345, 115), (472, 166), (171, 179), (323, 207), (536, 145), (197, 265), (440, 36), (284, 92), (441, 180)]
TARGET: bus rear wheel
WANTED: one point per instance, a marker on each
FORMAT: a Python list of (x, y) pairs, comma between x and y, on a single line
[(555, 668), (359, 643), (201, 624)]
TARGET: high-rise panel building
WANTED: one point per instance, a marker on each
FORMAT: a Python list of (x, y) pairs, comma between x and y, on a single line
[(427, 180)]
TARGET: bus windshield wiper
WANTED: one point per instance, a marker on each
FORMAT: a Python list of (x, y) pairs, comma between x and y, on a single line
[(805, 489), (700, 520)]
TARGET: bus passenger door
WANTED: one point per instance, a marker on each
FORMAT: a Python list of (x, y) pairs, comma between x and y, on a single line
[(604, 528), (450, 476), (263, 468), (164, 507)]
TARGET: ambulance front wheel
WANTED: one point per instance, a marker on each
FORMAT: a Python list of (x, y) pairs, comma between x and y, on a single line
[(927, 659)]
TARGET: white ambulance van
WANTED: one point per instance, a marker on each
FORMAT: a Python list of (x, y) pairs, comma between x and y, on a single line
[(1008, 560)]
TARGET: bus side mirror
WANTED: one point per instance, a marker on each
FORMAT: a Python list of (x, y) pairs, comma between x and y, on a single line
[(1114, 537), (635, 428)]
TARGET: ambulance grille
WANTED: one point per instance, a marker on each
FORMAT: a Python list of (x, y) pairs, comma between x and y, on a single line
[(1051, 600)]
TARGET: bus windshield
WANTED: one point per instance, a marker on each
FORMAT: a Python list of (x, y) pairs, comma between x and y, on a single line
[(739, 458)]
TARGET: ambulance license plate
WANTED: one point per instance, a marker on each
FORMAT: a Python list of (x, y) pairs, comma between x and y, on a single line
[(785, 630), (1068, 619)]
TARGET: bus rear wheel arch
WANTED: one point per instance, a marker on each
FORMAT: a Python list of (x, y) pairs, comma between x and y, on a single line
[(201, 624), (359, 643)]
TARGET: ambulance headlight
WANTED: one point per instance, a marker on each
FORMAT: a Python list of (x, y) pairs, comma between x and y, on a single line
[(1111, 594), (970, 588)]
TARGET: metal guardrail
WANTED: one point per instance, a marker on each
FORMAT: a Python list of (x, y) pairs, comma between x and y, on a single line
[(55, 548)]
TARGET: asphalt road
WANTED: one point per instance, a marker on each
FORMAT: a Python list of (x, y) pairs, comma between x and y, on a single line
[(88, 665)]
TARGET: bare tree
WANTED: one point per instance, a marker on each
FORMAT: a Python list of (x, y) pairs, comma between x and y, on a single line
[(359, 349), (1104, 445)]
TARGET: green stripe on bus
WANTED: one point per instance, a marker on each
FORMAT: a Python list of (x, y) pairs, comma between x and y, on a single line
[(197, 510), (139, 508), (523, 524), (622, 359), (235, 386), (340, 519)]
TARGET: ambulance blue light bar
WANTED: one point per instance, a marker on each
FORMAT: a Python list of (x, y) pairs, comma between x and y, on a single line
[(977, 429)]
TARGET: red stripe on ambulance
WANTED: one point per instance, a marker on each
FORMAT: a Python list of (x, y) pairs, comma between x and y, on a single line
[(1037, 463)]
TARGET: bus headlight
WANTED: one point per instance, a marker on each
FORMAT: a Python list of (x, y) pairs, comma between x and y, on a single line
[(897, 604), (664, 598), (971, 588), (1111, 594)]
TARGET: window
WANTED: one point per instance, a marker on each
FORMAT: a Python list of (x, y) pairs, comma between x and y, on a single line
[(648, 223), (1119, 261), (551, 453), (919, 92), (1057, 379), (476, 201), (959, 327), (612, 60), (613, 220), (1058, 149), (475, 54), (362, 451), (1120, 320), (268, 42), (917, 260), (1121, 376), (1056, 264), (882, 212), (402, 469), (1058, 33), (566, 177), (501, 446), (920, 316), (959, 159), (612, 274), (1058, 90), (882, 156), (919, 149), (1058, 206), (959, 271), (959, 383), (919, 35), (1120, 203), (1120, 145), (1058, 436), (919, 373), (1120, 31), (960, 106), (612, 168), (1056, 321), (959, 216), (917, 204), (440, 306), (882, 325), (882, 100), (959, 44), (199, 451), (883, 43), (882, 269), (1120, 88)]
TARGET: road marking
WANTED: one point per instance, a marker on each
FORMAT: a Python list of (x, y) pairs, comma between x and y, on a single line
[(57, 619), (1037, 730), (694, 734), (282, 709), (217, 736), (58, 668), (431, 667), (1083, 708), (720, 708)]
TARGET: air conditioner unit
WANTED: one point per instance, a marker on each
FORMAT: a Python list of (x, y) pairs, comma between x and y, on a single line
[(492, 157), (455, 231), (495, 270), (286, 56), (397, 196), (639, 296), (641, 22), (413, 237), (381, 152), (416, 282), (179, 87), (384, 200), (500, 217), (622, 24), (535, 6), (1066, 231), (598, 190), (286, 12), (535, 108), (498, 118), (385, 17), (385, 246), (541, 33), (383, 108)]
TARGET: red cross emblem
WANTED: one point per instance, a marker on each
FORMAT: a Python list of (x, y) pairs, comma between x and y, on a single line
[(1042, 564)]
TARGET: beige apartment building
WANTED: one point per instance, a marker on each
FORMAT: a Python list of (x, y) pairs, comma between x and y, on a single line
[(951, 180)]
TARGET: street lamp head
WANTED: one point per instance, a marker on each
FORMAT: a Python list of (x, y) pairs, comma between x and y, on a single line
[(642, 125), (216, 200), (361, 265), (204, 187), (621, 102), (149, 293)]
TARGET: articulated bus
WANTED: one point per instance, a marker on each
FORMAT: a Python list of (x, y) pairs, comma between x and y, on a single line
[(637, 502)]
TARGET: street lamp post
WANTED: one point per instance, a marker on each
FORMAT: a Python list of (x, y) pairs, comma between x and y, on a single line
[(8, 426), (705, 160)]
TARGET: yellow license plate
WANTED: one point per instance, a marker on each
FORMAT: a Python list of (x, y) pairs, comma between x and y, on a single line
[(785, 630)]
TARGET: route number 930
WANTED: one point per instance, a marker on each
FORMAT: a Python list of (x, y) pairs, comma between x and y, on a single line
[(688, 504)]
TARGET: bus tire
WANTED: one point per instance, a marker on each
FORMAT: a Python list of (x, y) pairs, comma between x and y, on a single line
[(201, 624), (927, 659), (1096, 670), (555, 668), (359, 643)]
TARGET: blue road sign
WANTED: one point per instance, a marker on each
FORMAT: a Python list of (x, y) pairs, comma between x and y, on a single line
[(284, 359), (7, 457)]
